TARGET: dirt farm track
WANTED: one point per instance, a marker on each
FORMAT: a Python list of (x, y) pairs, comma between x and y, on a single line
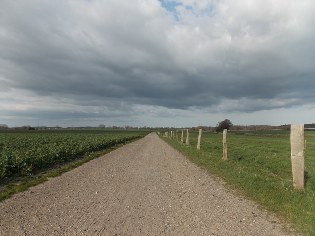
[(143, 188)]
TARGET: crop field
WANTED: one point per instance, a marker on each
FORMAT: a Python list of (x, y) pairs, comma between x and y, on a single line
[(23, 153), (259, 166)]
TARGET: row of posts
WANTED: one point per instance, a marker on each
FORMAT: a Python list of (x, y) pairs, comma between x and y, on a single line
[(174, 134), (297, 142)]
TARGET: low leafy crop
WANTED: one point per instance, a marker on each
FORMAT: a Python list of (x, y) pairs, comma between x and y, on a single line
[(24, 153)]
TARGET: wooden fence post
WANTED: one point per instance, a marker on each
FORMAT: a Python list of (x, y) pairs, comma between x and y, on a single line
[(187, 137), (199, 139), (225, 157), (177, 135), (182, 137), (297, 155)]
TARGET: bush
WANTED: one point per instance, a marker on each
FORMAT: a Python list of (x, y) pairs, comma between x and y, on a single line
[(225, 124)]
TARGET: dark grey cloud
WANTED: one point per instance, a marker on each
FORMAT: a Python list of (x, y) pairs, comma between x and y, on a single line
[(241, 57)]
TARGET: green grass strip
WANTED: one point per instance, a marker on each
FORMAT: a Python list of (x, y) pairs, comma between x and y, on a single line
[(259, 167)]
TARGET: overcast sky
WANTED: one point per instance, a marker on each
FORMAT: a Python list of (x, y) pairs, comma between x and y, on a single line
[(156, 63)]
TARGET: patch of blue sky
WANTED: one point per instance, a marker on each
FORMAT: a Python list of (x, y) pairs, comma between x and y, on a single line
[(170, 6), (208, 11), (189, 8)]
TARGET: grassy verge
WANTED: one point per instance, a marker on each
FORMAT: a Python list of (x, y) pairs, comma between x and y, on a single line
[(14, 185), (259, 166)]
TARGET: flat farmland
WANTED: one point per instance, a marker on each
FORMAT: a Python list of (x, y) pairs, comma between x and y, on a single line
[(143, 188), (259, 166), (24, 153)]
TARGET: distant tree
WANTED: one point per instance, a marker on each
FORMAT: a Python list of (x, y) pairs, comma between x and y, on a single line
[(225, 124), (4, 126)]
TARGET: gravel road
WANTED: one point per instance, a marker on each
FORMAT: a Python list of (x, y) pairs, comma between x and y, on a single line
[(143, 188)]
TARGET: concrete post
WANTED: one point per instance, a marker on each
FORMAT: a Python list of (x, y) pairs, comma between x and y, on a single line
[(177, 135), (297, 155), (187, 137), (225, 157), (199, 139), (182, 137)]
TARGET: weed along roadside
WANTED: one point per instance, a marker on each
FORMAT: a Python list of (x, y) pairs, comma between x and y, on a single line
[(259, 167)]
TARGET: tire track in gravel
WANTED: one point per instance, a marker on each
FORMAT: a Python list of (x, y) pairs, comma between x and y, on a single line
[(143, 188)]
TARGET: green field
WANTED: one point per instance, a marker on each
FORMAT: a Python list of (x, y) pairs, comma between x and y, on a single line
[(259, 166), (25, 153)]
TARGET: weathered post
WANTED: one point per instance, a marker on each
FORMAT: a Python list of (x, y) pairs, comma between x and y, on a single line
[(297, 155), (199, 139), (177, 135), (187, 137), (224, 145), (182, 137)]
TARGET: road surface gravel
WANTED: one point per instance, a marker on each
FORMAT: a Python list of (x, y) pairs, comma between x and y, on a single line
[(143, 188)]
